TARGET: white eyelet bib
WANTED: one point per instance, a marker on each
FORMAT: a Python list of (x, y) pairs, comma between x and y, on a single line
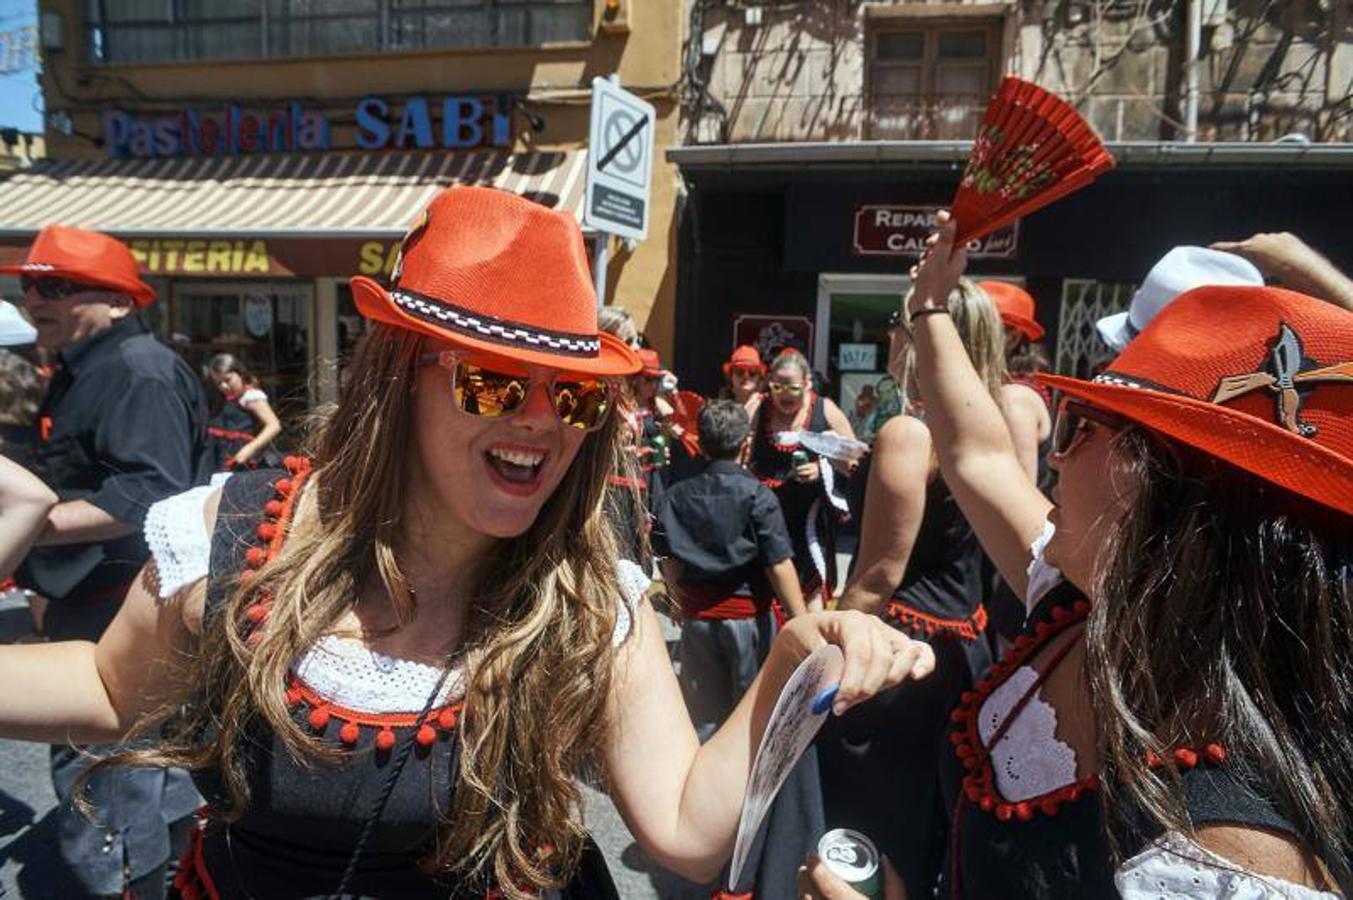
[(1175, 867), (342, 670), (1029, 760)]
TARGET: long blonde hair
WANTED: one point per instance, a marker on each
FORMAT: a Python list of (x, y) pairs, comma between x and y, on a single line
[(538, 649), (979, 328)]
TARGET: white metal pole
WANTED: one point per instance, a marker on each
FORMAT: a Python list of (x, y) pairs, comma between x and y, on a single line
[(600, 256), (1194, 27)]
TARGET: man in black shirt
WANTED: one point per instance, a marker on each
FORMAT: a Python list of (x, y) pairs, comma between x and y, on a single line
[(726, 556), (121, 427)]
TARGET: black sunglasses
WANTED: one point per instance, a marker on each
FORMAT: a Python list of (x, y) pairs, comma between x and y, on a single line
[(1070, 427), (49, 288)]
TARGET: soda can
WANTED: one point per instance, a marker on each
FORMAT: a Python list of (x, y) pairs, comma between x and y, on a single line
[(854, 859), (800, 458)]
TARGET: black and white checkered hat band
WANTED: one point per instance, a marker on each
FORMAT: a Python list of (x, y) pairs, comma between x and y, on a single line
[(488, 328)]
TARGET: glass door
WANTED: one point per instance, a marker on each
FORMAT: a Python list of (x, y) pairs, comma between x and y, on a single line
[(852, 345)]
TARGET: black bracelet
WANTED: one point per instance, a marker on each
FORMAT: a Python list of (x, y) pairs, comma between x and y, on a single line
[(928, 311)]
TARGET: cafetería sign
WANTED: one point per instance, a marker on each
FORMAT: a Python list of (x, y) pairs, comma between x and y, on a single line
[(887, 230), (451, 122)]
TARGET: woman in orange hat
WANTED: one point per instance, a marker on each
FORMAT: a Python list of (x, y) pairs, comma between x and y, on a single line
[(744, 372), (388, 666), (1177, 718), (1024, 401)]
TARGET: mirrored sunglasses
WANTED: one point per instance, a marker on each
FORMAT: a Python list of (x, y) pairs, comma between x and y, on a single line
[(744, 372), (481, 388), (49, 288), (778, 388), (1073, 418)]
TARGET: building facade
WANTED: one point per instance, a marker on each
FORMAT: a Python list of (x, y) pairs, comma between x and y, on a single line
[(819, 139), (257, 153)]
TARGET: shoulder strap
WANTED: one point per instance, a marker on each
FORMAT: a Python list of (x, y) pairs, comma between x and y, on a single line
[(237, 519)]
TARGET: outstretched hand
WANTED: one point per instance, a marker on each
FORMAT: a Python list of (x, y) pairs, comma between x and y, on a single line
[(877, 656), (939, 268)]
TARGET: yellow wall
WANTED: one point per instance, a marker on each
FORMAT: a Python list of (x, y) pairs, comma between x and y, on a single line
[(555, 79)]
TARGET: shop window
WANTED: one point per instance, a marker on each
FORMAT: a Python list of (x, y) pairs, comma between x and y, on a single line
[(267, 326), (931, 81), (157, 30)]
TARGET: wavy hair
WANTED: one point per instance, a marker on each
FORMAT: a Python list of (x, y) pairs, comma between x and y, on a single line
[(980, 330), (1223, 613), (537, 653)]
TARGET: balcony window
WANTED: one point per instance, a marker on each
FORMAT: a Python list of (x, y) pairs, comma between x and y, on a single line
[(169, 30), (931, 82)]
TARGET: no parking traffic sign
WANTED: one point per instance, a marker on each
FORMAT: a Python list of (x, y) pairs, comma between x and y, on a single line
[(619, 162)]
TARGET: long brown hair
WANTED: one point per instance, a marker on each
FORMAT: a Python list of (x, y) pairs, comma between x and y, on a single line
[(538, 650), (1223, 614), (979, 328)]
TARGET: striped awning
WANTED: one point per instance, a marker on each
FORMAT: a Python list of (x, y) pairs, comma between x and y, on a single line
[(350, 195)]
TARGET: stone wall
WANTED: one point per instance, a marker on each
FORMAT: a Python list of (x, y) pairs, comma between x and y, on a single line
[(1267, 68)]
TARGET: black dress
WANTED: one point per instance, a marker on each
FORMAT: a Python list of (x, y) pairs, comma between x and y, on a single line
[(810, 509), (880, 762), (303, 822), (1053, 845), (229, 429)]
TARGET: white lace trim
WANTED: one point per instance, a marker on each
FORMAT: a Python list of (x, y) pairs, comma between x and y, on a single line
[(1042, 576), (177, 536), (348, 673), (1028, 761), (634, 583), (251, 396), (1174, 866)]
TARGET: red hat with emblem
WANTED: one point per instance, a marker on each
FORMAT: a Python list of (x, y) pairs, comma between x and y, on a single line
[(1259, 377), (488, 270), (1016, 307), (86, 257)]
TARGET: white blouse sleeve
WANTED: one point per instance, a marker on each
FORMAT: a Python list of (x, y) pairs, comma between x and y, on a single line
[(252, 395), (1174, 866), (177, 536), (634, 582), (1043, 577)]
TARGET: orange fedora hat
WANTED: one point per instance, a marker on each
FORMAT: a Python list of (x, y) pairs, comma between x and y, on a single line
[(1261, 378), (491, 271), (86, 257), (1016, 306), (747, 357)]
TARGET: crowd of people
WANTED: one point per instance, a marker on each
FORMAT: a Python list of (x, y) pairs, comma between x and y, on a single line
[(1096, 632)]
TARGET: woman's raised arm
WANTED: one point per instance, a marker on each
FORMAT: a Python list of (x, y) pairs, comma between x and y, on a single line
[(977, 456)]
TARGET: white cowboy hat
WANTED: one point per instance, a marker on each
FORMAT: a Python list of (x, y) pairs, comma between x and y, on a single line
[(1179, 271), (14, 328)]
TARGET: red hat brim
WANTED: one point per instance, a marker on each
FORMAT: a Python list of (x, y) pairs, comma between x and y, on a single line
[(1028, 327), (615, 358), (1265, 449), (140, 292)]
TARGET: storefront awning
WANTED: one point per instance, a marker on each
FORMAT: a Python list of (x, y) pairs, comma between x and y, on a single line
[(329, 195)]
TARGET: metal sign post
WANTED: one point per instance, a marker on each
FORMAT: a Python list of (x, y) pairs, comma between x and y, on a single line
[(619, 165)]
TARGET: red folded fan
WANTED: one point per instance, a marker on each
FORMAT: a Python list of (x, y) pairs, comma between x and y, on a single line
[(686, 406), (1033, 148)]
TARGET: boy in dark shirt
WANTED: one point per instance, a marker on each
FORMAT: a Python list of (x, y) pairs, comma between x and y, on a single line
[(726, 555)]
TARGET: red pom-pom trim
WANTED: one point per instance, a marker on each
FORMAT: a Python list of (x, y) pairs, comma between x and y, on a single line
[(446, 719), (255, 557), (283, 486), (385, 740), (319, 718), (267, 531), (272, 508), (257, 613), (349, 733), (426, 736)]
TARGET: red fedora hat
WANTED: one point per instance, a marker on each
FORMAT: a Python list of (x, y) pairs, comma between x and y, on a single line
[(491, 271), (1016, 307), (1259, 377), (86, 257), (745, 357), (652, 363)]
